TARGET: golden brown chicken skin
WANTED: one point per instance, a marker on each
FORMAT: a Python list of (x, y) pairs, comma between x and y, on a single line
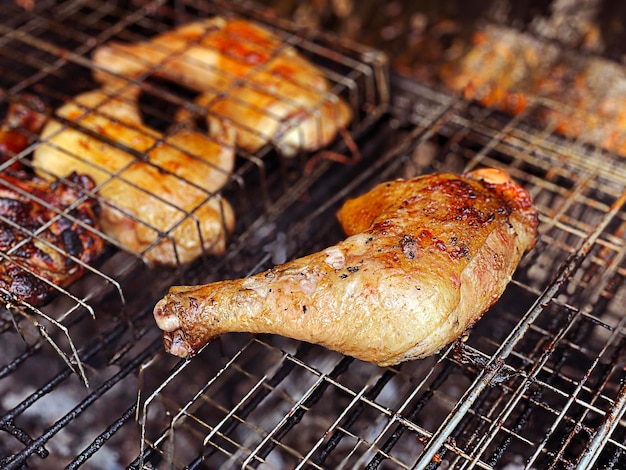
[(425, 258), (245, 74), (159, 192)]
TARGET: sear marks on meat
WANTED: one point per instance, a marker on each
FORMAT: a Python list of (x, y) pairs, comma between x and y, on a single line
[(44, 233), (37, 260), (424, 259)]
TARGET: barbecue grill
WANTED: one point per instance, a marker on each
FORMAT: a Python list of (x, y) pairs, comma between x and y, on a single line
[(537, 383)]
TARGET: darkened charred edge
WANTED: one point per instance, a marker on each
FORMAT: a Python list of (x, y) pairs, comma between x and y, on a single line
[(514, 196), (25, 280), (516, 199), (179, 344), (26, 287), (35, 287)]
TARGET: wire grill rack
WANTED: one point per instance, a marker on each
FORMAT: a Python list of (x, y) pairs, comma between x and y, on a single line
[(537, 383), (49, 55)]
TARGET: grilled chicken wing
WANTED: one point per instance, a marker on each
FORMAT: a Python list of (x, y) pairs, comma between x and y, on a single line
[(245, 73), (158, 190), (424, 259)]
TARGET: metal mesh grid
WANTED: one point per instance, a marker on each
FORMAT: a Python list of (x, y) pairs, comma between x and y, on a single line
[(538, 383), (99, 331), (50, 56)]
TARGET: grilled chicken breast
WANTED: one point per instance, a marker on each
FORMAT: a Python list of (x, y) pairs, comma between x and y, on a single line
[(424, 259), (246, 74), (159, 191)]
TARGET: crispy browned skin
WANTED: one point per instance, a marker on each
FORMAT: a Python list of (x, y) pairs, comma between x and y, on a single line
[(162, 205), (23, 122), (35, 264), (245, 73), (424, 260)]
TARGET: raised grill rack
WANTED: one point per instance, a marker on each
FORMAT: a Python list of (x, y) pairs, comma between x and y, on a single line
[(537, 383)]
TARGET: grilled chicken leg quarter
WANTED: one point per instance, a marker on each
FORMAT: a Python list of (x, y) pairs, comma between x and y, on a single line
[(424, 259)]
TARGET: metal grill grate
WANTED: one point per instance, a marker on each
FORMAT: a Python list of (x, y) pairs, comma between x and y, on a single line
[(99, 331), (42, 55), (538, 383)]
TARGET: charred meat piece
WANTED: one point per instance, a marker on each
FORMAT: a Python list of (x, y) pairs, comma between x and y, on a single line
[(245, 74), (43, 238), (425, 258), (46, 229)]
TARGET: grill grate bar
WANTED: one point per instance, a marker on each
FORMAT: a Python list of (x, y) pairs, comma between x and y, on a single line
[(23, 437), (313, 395), (230, 425), (233, 416), (35, 446), (487, 392), (611, 421), (10, 416), (560, 359), (351, 418), (576, 425), (612, 418), (267, 444), (527, 410), (18, 459), (101, 440), (485, 408), (19, 360), (419, 405)]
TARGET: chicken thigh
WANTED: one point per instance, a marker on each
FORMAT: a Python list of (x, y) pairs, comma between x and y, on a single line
[(424, 259)]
